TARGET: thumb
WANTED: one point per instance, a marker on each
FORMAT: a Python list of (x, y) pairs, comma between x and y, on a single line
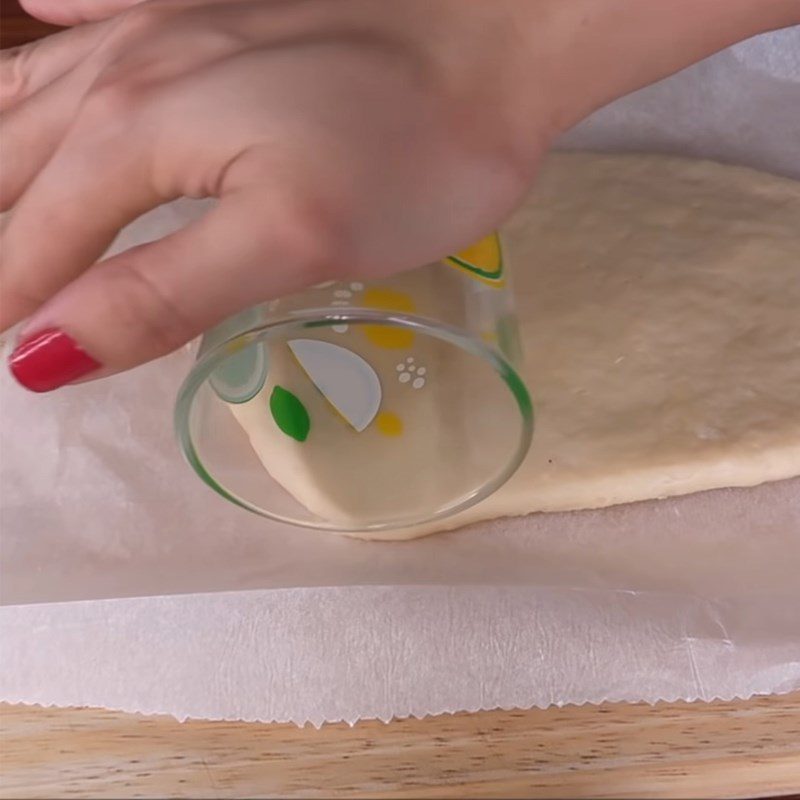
[(150, 300), (74, 12)]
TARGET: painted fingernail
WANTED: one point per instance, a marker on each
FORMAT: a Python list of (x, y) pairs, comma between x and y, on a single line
[(49, 359)]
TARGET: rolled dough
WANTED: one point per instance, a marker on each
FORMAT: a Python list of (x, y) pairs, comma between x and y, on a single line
[(659, 303)]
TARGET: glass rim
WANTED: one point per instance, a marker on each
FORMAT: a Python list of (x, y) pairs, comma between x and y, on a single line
[(325, 317)]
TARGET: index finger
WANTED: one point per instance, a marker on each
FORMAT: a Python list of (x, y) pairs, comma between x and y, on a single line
[(65, 220)]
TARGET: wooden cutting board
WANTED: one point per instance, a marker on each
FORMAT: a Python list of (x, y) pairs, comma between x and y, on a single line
[(720, 750)]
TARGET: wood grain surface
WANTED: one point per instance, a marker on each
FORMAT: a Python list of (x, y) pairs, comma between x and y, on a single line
[(741, 749)]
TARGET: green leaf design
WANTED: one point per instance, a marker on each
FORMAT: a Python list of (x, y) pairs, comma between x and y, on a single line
[(289, 413)]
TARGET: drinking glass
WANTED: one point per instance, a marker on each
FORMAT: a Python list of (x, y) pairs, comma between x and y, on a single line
[(364, 405)]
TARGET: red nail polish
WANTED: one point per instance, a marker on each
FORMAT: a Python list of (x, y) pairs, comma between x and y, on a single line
[(49, 359)]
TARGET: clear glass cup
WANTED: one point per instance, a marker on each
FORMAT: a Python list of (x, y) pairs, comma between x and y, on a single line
[(360, 406)]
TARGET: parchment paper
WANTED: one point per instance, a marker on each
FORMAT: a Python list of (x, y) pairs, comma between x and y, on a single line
[(228, 615)]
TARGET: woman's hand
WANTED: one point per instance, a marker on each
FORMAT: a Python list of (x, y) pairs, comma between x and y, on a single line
[(341, 137)]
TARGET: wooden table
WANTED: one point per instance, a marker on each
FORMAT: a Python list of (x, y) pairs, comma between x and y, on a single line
[(742, 749)]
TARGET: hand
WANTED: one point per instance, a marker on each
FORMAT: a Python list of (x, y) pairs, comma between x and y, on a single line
[(341, 137)]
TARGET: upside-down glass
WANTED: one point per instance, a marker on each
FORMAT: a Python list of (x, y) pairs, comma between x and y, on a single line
[(364, 406)]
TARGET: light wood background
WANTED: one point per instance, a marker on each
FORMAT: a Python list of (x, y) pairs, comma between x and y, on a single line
[(741, 749), (745, 749)]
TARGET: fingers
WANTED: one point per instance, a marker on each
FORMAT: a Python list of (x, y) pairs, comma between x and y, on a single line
[(74, 12), (27, 69), (42, 87), (33, 129), (66, 219), (42, 104), (148, 301)]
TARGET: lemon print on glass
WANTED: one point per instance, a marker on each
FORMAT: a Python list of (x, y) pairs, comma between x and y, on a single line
[(241, 376), (389, 337), (389, 424), (345, 379), (289, 413), (482, 260)]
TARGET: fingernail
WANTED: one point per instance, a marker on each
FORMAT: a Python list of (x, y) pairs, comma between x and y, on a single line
[(49, 359)]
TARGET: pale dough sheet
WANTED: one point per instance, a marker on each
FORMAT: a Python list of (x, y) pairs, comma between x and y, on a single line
[(659, 303), (659, 300)]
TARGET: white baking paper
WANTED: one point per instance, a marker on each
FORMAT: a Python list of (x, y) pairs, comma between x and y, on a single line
[(129, 584)]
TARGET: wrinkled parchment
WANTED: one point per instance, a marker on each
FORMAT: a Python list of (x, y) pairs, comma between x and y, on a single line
[(192, 607)]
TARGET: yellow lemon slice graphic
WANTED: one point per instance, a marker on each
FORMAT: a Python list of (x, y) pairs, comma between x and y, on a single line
[(483, 260), (388, 336)]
